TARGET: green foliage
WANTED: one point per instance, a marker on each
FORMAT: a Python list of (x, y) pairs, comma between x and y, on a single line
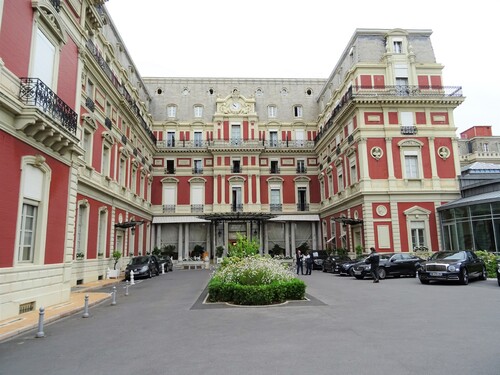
[(490, 260), (277, 250), (359, 250), (169, 250), (243, 247), (219, 251), (116, 256), (197, 251), (156, 251), (303, 247)]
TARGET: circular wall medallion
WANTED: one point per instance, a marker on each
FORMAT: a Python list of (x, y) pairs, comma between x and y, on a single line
[(376, 153), (381, 210), (444, 152)]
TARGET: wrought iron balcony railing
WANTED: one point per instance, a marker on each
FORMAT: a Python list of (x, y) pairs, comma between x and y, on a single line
[(234, 143), (169, 208), (197, 170), (301, 170), (237, 207), (408, 129), (235, 169), (196, 208), (274, 170), (89, 103), (276, 207), (302, 207), (34, 92), (169, 170), (56, 4)]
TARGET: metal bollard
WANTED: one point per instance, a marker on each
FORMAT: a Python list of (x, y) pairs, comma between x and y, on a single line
[(163, 268), (132, 282), (126, 287), (40, 332), (86, 307), (113, 302)]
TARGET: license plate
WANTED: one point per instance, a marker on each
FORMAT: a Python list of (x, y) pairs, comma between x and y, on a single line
[(357, 272), (436, 274)]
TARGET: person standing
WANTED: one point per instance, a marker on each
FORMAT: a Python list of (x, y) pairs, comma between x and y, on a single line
[(309, 263), (374, 260), (300, 260)]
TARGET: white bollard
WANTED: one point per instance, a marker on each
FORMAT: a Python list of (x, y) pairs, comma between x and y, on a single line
[(86, 307), (163, 268), (41, 315), (132, 282), (126, 288)]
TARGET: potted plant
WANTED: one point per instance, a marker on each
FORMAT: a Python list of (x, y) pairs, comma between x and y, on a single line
[(80, 256), (197, 251), (219, 252)]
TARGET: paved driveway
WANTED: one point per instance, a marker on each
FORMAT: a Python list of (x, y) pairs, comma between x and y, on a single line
[(351, 327)]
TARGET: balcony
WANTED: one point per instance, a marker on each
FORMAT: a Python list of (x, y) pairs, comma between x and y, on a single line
[(56, 4), (274, 170), (198, 170), (276, 207), (59, 133), (235, 169), (301, 169), (237, 207), (196, 208), (302, 207), (89, 103), (169, 208), (408, 130), (169, 170), (108, 123), (232, 143)]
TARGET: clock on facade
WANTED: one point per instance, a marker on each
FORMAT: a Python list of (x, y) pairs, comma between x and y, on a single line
[(235, 106)]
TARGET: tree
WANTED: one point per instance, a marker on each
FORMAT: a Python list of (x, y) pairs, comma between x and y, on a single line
[(116, 256)]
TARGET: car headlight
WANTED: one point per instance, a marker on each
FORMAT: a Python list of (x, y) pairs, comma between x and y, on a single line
[(144, 268), (453, 268)]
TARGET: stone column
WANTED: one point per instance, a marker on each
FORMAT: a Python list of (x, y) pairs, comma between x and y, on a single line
[(179, 243), (186, 240)]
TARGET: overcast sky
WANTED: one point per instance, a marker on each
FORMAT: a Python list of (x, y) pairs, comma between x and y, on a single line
[(304, 39)]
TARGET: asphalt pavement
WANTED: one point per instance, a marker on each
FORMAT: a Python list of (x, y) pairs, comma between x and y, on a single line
[(348, 326)]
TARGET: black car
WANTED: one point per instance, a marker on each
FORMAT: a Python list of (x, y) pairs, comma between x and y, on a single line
[(452, 266), (318, 258), (346, 267), (143, 266), (498, 273), (391, 264), (167, 263), (330, 263)]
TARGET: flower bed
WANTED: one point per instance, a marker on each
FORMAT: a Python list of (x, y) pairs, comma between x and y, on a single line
[(254, 280)]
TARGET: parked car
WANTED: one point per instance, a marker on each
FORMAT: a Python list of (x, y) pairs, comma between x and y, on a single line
[(346, 267), (319, 257), (452, 266), (143, 266), (391, 264), (167, 263), (331, 262)]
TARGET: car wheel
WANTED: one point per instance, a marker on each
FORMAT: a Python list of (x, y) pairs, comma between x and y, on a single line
[(484, 275), (351, 272), (464, 278), (382, 273), (323, 268), (157, 272), (359, 277), (424, 281)]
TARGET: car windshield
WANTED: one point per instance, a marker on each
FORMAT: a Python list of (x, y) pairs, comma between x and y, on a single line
[(448, 255), (138, 260)]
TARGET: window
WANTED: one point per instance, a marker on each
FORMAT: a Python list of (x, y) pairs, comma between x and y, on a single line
[(322, 189), (87, 146), (302, 199), (90, 89), (301, 166), (106, 157), (275, 166), (198, 139), (27, 233), (236, 134), (44, 62), (401, 77), (330, 184), (272, 111), (198, 169), (273, 138), (33, 204), (297, 111), (196, 198), (353, 170), (340, 178), (299, 137), (81, 230), (122, 171), (236, 166), (169, 196), (397, 46), (198, 111), (171, 111), (133, 183), (141, 187), (417, 234), (485, 147), (236, 205), (406, 118), (275, 203), (170, 139), (102, 231), (170, 167), (411, 166)]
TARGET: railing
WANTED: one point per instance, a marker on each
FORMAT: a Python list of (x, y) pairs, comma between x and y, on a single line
[(56, 4), (101, 61), (237, 207), (274, 170), (34, 92), (275, 207), (301, 170), (302, 207), (169, 208), (235, 169), (169, 170), (408, 129), (108, 123), (197, 170), (387, 92), (234, 143), (89, 103), (196, 208)]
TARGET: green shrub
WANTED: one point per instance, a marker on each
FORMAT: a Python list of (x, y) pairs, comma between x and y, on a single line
[(490, 260), (243, 247)]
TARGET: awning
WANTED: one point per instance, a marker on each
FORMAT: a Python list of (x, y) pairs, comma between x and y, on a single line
[(492, 196), (295, 218), (178, 219)]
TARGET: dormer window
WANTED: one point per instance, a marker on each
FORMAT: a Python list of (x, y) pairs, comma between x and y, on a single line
[(397, 46)]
